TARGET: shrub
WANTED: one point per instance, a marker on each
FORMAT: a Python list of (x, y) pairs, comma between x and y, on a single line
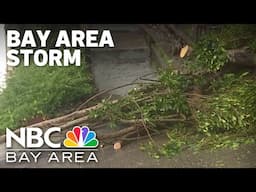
[(41, 92)]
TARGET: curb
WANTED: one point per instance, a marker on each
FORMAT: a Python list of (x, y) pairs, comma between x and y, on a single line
[(2, 137)]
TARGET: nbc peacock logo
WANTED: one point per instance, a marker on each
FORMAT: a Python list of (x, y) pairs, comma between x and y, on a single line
[(81, 137)]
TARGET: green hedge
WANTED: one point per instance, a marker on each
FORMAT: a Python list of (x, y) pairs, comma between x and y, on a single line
[(34, 92)]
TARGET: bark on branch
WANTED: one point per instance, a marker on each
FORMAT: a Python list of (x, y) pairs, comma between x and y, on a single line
[(242, 57), (65, 118), (118, 133), (179, 33)]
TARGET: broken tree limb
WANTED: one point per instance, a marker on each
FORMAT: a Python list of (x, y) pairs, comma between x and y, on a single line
[(118, 133), (117, 145), (242, 57), (133, 135), (65, 118), (120, 141), (69, 117), (185, 51), (133, 121), (76, 122), (98, 125), (52, 122), (179, 33), (239, 57), (197, 95), (124, 140)]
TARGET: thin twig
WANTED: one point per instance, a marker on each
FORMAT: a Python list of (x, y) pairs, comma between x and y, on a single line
[(169, 118), (98, 126), (198, 95), (148, 98), (145, 75), (132, 121), (125, 138), (117, 133), (106, 91), (143, 121), (145, 79), (78, 121)]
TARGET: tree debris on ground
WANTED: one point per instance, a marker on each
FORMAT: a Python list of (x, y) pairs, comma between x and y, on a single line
[(207, 100)]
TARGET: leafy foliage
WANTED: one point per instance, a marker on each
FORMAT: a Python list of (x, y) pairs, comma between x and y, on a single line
[(231, 109), (225, 117), (34, 92), (149, 103), (209, 55), (236, 36), (210, 52), (182, 137)]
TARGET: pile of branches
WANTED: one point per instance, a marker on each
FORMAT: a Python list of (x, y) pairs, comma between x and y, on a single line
[(148, 108), (158, 104), (151, 107)]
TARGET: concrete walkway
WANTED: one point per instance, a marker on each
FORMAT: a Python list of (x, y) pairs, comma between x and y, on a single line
[(126, 62)]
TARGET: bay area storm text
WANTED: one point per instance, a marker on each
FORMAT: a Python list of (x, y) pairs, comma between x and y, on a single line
[(54, 57)]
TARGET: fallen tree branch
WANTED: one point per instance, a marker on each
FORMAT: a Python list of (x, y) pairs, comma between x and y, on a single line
[(106, 91), (133, 121), (145, 75), (242, 57), (179, 33), (65, 118), (197, 95), (98, 126), (143, 121), (69, 117), (76, 122), (121, 142), (133, 135), (52, 122), (118, 133)]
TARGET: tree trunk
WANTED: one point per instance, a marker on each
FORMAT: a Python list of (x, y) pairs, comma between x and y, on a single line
[(242, 57)]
